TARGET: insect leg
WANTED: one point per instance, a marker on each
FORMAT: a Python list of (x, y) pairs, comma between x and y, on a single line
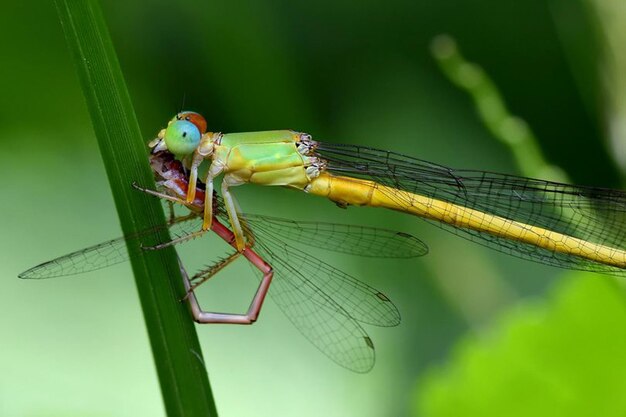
[(252, 314), (176, 241), (203, 276), (160, 195), (214, 170), (171, 212), (231, 209)]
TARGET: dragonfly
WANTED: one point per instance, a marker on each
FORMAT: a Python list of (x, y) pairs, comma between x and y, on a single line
[(568, 226), (327, 305)]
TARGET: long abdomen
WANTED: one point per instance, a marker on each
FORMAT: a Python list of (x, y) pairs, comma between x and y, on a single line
[(359, 192)]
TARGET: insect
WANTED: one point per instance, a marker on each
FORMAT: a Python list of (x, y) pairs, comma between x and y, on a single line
[(569, 226), (577, 227), (325, 304)]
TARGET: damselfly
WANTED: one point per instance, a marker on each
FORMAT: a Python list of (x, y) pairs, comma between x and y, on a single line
[(325, 304), (570, 226)]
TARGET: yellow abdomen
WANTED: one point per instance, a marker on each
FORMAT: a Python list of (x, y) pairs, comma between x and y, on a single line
[(352, 191)]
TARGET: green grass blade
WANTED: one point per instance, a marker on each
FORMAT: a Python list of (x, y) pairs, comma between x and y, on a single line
[(182, 375)]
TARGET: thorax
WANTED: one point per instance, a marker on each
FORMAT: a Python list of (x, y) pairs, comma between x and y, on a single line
[(266, 158)]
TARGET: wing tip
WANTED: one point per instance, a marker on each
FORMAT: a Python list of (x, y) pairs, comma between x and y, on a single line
[(29, 273), (418, 247)]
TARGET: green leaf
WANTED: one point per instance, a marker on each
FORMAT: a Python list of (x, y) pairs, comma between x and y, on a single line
[(564, 357), (177, 355)]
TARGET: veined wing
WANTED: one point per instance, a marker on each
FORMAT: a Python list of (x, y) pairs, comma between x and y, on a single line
[(343, 238), (324, 284), (320, 282), (324, 303), (316, 314), (107, 253), (372, 242), (357, 240), (595, 215)]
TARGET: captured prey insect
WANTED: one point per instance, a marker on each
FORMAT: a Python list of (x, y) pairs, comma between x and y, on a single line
[(325, 304), (570, 226)]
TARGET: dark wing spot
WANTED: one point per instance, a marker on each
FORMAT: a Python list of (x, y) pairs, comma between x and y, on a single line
[(382, 296)]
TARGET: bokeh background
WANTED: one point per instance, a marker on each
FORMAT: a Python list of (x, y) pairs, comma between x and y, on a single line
[(482, 333)]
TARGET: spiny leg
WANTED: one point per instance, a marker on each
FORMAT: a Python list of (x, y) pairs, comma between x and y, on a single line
[(229, 202), (204, 275), (231, 209), (222, 231), (251, 316), (159, 194), (208, 191), (170, 201), (176, 241)]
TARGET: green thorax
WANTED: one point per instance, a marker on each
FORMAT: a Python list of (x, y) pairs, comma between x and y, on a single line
[(265, 158), (270, 136)]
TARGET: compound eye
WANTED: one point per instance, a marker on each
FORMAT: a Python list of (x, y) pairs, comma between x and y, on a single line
[(195, 118), (182, 137)]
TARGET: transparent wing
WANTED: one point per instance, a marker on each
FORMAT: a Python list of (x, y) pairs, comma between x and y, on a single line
[(596, 215), (315, 313), (356, 240), (320, 283), (107, 253), (324, 303), (343, 238)]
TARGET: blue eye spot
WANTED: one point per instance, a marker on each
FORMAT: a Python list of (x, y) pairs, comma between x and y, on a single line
[(182, 137)]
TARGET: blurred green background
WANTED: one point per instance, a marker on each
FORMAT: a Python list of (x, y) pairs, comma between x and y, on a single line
[(344, 71)]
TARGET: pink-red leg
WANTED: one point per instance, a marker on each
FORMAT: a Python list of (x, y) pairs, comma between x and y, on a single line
[(251, 316), (223, 232)]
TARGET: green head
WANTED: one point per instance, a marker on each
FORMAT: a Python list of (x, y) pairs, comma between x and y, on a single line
[(182, 135)]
